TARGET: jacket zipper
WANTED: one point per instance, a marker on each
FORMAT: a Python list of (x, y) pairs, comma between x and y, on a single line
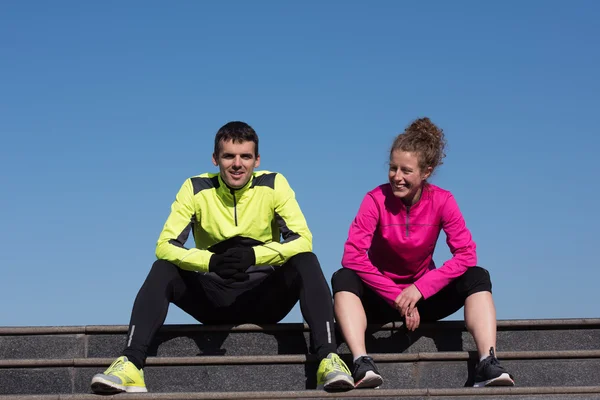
[(234, 206), (407, 221)]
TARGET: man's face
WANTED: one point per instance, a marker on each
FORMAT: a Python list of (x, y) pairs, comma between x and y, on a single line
[(236, 162)]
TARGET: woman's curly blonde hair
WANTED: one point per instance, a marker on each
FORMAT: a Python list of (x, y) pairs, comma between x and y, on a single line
[(426, 140)]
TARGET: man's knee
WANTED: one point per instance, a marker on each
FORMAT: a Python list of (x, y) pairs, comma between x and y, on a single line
[(166, 277), (163, 267), (163, 273), (307, 266), (304, 262), (307, 257)]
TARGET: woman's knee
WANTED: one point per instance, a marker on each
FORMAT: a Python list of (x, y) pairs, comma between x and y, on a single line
[(346, 280), (476, 279)]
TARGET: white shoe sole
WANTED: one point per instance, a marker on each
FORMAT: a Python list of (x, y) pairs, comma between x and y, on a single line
[(340, 382), (371, 380), (502, 380), (104, 386)]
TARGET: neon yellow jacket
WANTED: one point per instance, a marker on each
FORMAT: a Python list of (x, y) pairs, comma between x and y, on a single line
[(257, 215)]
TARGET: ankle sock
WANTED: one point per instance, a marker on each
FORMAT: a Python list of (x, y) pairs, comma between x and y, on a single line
[(359, 356), (492, 351)]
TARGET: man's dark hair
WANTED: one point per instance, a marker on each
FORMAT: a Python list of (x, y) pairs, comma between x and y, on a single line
[(238, 132)]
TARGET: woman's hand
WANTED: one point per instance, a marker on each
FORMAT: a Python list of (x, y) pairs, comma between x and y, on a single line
[(412, 319), (407, 300)]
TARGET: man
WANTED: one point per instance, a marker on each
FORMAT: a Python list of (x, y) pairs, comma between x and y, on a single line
[(240, 271)]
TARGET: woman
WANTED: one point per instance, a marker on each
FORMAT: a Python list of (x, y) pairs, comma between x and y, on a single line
[(388, 260)]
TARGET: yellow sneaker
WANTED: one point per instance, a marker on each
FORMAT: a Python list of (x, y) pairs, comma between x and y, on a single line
[(121, 376), (333, 374)]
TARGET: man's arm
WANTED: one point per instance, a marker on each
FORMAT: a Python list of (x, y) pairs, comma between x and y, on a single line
[(172, 239), (292, 225)]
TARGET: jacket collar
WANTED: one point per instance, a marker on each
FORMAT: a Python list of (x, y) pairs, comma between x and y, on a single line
[(425, 196), (224, 189)]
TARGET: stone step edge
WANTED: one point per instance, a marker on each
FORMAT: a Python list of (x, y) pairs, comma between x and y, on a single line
[(298, 359), (517, 324), (450, 392)]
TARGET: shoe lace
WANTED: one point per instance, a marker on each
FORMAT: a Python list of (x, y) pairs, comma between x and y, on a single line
[(491, 362), (337, 364), (117, 366), (369, 360)]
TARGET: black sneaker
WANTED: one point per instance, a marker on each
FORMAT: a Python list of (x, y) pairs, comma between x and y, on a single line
[(489, 372), (365, 373)]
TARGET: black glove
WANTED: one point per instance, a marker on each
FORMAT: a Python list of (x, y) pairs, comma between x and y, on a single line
[(231, 271), (216, 263), (239, 258)]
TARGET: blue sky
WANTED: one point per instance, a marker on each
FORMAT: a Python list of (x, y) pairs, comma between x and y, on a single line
[(107, 107)]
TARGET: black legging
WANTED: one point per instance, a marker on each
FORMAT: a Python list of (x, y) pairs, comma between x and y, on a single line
[(265, 300), (442, 304)]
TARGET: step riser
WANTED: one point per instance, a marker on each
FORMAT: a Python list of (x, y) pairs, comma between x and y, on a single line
[(43, 346), (530, 397), (257, 343), (219, 396), (423, 374)]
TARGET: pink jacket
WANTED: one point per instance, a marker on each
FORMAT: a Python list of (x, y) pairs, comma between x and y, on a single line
[(390, 246)]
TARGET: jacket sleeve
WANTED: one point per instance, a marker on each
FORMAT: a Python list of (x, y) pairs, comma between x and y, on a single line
[(292, 226), (172, 239), (461, 246), (356, 251)]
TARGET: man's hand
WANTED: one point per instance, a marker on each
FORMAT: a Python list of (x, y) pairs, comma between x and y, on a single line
[(407, 300), (226, 271), (240, 258), (412, 319), (232, 264)]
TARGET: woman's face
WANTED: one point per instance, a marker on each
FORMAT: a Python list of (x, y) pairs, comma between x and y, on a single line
[(406, 178)]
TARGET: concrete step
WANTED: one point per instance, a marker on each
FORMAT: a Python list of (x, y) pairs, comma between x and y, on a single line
[(298, 372), (515, 393), (186, 340)]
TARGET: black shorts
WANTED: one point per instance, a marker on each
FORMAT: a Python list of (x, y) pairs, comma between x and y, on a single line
[(442, 304)]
